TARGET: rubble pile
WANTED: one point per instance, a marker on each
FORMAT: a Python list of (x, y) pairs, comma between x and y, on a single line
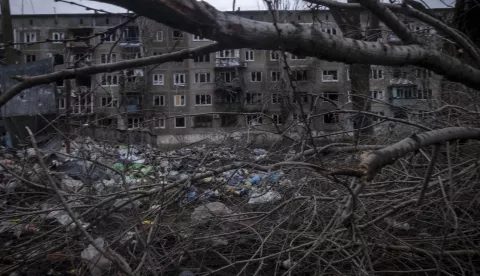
[(197, 210)]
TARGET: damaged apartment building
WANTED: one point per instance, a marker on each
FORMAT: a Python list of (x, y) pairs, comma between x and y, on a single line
[(223, 91)]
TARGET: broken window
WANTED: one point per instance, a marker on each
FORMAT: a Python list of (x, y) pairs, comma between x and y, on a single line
[(203, 121), (331, 118)]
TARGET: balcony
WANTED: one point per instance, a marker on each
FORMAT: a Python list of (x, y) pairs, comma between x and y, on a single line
[(133, 108), (229, 63), (129, 42)]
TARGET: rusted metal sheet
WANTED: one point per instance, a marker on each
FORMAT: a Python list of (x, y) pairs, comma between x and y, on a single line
[(40, 99)]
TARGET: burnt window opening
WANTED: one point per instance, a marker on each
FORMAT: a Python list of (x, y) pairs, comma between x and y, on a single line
[(331, 118), (203, 121), (228, 120)]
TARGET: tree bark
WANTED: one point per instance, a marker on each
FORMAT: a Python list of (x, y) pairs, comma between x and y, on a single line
[(237, 32), (378, 159)]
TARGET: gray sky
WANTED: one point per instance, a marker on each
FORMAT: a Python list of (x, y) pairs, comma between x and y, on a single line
[(46, 6)]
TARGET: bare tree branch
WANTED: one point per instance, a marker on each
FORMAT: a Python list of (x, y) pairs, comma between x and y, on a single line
[(376, 160), (457, 36), (27, 82), (201, 18)]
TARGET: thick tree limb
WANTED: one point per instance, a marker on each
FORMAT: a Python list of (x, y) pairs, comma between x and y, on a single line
[(376, 160), (203, 19), (27, 82), (455, 35), (391, 20)]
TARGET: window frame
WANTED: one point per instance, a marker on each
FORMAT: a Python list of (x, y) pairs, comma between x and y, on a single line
[(157, 36), (272, 54), (184, 122), (161, 100), (278, 119), (198, 100), (180, 76), (249, 55), (28, 58), (277, 79), (157, 125), (258, 76), (61, 36), (182, 98), (198, 77), (332, 80), (111, 83), (32, 37), (108, 58), (158, 82)]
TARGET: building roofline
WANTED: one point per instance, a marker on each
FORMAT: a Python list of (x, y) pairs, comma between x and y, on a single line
[(231, 12)]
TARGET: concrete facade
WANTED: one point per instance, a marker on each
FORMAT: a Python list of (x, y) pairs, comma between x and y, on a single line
[(168, 99)]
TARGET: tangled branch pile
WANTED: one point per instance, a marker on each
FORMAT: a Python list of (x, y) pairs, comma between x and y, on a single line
[(237, 210)]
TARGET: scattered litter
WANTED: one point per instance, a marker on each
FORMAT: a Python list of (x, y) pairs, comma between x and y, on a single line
[(258, 197), (209, 210), (95, 261)]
